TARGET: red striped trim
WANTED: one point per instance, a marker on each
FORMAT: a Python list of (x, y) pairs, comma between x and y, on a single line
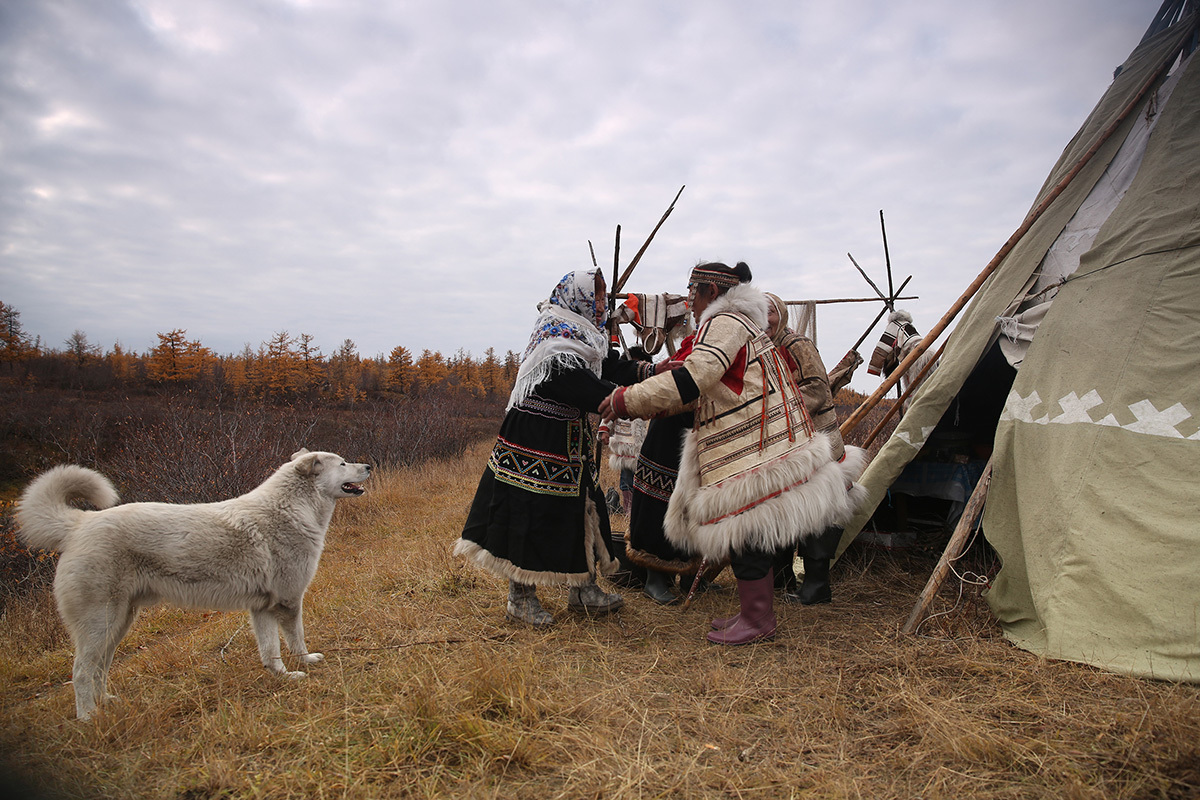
[(757, 502), (773, 494)]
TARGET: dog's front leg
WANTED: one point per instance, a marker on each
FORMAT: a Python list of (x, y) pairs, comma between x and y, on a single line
[(266, 631), (291, 622)]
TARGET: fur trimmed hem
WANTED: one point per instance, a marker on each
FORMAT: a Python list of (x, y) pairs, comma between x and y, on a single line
[(619, 462), (503, 568), (598, 559), (772, 507), (651, 561)]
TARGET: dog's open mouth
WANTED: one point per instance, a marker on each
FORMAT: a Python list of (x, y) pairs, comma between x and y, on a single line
[(352, 488)]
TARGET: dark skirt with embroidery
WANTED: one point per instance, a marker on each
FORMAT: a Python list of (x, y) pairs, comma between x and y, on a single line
[(653, 482), (538, 516)]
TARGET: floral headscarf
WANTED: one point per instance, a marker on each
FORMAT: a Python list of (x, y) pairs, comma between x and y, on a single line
[(568, 334)]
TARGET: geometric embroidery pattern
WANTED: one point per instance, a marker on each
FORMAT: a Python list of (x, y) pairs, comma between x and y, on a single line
[(654, 479), (542, 407), (918, 442), (535, 471), (1141, 417)]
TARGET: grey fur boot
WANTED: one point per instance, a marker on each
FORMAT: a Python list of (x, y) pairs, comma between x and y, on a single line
[(524, 606), (590, 599)]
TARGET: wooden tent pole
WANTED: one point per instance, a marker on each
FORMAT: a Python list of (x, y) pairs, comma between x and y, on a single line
[(831, 301), (887, 257), (867, 278), (879, 316), (954, 549), (619, 283), (912, 387), (856, 418), (612, 292)]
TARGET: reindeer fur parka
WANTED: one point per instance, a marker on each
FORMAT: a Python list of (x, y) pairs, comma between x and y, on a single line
[(754, 474)]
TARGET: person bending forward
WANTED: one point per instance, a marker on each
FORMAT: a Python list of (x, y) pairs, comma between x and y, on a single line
[(754, 475), (538, 517)]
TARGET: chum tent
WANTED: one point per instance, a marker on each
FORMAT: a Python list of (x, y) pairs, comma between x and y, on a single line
[(1084, 345)]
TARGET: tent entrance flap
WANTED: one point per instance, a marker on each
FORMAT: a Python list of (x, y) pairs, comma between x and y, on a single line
[(1096, 439), (925, 502)]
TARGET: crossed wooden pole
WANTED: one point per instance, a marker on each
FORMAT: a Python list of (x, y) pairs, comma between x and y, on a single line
[(979, 496)]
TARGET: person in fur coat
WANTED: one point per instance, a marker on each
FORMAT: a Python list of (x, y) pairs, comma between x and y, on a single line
[(755, 475), (814, 383)]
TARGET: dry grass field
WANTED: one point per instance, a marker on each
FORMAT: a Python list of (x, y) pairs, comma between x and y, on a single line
[(427, 692)]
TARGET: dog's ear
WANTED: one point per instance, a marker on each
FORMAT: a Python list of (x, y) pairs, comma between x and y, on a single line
[(302, 451), (307, 463)]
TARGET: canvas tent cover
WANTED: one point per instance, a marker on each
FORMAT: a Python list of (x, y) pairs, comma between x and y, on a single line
[(1096, 484)]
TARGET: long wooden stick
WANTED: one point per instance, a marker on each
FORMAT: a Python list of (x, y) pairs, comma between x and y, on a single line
[(887, 258), (954, 549), (619, 284), (695, 583), (879, 316), (867, 278), (612, 292), (624, 295), (856, 418), (912, 387), (616, 258)]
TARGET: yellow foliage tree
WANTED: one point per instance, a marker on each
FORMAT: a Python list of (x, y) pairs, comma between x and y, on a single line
[(14, 344), (512, 364), (311, 364), (280, 369), (345, 371), (431, 370), (400, 370), (177, 360), (122, 362), (491, 374)]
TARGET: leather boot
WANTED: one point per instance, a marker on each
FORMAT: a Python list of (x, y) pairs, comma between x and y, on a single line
[(756, 620), (817, 553), (659, 589), (524, 606), (785, 570), (815, 589), (590, 599), (721, 623), (628, 574)]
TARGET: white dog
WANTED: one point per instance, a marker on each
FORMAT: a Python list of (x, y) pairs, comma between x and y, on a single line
[(256, 552)]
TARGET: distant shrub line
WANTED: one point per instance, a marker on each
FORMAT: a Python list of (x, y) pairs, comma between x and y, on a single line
[(184, 447)]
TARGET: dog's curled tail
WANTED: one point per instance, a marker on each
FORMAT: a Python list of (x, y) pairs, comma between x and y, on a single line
[(45, 516)]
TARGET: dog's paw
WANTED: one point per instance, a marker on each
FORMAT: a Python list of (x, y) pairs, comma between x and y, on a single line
[(312, 658), (294, 676)]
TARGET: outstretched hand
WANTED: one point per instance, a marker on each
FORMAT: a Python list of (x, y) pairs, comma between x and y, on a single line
[(608, 406)]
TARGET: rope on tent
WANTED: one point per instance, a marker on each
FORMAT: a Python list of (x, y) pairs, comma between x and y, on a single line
[(954, 548)]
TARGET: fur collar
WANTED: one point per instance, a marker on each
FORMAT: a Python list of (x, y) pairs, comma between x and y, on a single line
[(743, 299)]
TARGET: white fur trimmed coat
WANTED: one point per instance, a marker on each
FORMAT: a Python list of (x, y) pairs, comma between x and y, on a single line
[(754, 474)]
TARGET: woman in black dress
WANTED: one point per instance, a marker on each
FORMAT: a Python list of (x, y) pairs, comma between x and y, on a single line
[(539, 517)]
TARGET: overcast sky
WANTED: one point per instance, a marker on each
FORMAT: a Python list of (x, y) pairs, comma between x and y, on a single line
[(423, 173)]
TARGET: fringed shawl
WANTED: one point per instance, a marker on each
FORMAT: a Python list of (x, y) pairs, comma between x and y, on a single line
[(567, 334)]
